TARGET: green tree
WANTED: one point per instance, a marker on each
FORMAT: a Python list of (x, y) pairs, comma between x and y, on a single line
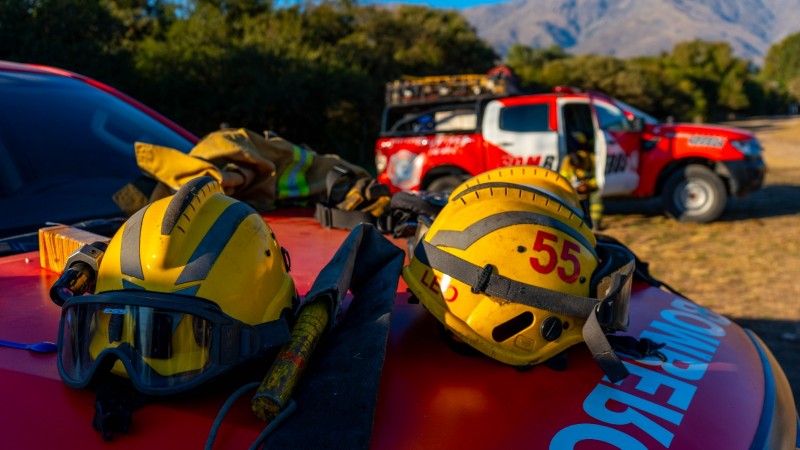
[(528, 63), (70, 34), (782, 66), (313, 73), (710, 74)]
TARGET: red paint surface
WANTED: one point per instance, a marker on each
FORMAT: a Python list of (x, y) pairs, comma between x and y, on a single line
[(430, 397)]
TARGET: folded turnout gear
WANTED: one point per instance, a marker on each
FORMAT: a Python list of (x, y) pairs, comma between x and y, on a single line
[(352, 199), (412, 212)]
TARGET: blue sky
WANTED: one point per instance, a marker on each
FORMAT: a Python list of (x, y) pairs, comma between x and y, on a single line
[(458, 4)]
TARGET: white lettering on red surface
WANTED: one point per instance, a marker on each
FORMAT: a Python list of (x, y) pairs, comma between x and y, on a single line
[(698, 140), (448, 145), (535, 160), (690, 333)]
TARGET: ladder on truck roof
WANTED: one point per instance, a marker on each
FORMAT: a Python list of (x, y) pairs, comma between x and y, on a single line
[(420, 89)]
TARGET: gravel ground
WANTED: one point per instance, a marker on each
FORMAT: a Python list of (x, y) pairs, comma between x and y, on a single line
[(746, 265)]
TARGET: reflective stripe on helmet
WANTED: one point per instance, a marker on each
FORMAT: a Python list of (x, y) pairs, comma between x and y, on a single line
[(184, 198), (535, 190), (463, 239), (209, 249), (130, 261)]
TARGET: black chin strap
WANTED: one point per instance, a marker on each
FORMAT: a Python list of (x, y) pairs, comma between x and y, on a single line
[(602, 351), (114, 405)]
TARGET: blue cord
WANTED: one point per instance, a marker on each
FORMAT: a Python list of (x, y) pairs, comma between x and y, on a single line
[(229, 403), (289, 409)]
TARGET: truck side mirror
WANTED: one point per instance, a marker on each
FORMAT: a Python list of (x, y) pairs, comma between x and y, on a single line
[(637, 124)]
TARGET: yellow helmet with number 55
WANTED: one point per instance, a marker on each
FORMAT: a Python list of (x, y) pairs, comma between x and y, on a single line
[(510, 267)]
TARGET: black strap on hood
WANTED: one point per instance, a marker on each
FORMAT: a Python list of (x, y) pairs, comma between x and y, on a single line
[(114, 405)]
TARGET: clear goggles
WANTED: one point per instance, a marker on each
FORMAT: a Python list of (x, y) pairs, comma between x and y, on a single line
[(165, 343)]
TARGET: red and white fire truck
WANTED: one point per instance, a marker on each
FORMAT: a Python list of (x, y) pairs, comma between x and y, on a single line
[(437, 131)]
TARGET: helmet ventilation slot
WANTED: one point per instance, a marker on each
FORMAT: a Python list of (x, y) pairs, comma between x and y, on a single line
[(512, 327)]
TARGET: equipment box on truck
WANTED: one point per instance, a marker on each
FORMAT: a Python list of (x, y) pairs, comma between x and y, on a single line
[(437, 131)]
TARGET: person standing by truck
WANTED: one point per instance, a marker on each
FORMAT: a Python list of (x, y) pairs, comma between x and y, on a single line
[(579, 169)]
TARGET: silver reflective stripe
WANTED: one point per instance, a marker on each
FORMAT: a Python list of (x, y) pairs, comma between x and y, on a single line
[(182, 201), (129, 259), (536, 190), (463, 239), (215, 240)]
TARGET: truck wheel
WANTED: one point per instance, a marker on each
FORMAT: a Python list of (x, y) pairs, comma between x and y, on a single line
[(446, 183), (694, 194)]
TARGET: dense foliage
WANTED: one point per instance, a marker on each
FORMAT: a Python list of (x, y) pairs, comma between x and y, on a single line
[(782, 65), (697, 81), (315, 72)]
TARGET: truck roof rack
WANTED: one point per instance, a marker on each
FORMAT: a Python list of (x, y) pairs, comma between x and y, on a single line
[(421, 89)]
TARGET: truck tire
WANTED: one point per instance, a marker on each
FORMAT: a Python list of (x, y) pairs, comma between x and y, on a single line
[(694, 194), (446, 183)]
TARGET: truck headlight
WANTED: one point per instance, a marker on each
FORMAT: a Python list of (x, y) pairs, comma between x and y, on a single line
[(404, 168), (748, 147)]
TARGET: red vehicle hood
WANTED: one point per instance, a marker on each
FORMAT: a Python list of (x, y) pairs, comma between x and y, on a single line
[(709, 393), (671, 130)]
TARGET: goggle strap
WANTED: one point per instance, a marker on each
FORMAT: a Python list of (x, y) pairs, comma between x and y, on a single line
[(602, 351), (486, 280), (274, 334)]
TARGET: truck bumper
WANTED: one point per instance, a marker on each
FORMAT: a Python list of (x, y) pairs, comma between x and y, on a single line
[(745, 176)]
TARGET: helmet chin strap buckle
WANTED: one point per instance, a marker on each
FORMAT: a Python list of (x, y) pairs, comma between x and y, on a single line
[(113, 408), (110, 418), (483, 279)]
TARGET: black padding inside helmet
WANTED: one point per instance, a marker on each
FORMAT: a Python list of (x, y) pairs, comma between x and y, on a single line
[(611, 258)]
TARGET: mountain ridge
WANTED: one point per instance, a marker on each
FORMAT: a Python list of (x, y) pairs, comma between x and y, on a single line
[(628, 28)]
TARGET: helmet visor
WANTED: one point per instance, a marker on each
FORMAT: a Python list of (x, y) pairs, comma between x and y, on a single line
[(165, 349)]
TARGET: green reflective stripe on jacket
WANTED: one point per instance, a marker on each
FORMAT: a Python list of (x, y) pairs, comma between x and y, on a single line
[(292, 182)]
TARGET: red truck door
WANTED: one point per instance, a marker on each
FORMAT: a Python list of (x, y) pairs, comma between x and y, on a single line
[(518, 131)]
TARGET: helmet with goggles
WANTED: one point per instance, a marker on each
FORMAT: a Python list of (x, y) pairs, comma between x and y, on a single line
[(190, 286), (510, 267)]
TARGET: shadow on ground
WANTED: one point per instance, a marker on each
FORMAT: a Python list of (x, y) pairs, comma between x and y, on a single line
[(649, 207), (783, 339), (755, 124), (770, 201)]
